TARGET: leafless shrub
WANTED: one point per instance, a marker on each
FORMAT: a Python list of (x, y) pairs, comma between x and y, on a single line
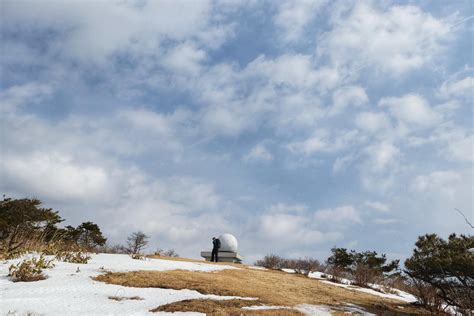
[(336, 274), (270, 261), (307, 265), (301, 266), (115, 249), (426, 294), (171, 253), (364, 275)]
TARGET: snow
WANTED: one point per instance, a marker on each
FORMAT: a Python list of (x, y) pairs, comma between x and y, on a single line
[(66, 290), (264, 307), (324, 310), (308, 309), (316, 310), (354, 309), (399, 295), (345, 283), (257, 268)]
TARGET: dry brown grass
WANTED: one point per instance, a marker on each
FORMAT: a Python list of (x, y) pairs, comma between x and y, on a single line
[(220, 307), (270, 287)]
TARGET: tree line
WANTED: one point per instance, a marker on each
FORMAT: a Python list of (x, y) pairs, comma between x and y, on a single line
[(25, 225)]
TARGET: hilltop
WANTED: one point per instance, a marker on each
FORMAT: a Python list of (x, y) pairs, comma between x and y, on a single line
[(117, 284)]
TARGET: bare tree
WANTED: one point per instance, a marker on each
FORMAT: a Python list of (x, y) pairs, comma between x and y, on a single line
[(136, 242), (171, 253), (465, 218)]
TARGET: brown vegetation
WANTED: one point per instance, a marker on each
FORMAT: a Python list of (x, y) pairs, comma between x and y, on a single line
[(269, 287), (123, 298), (220, 307)]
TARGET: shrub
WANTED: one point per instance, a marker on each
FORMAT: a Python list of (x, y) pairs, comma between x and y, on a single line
[(117, 248), (336, 274), (301, 266), (166, 253), (29, 270), (364, 268), (73, 257), (364, 274), (306, 266), (270, 261), (137, 256), (426, 294)]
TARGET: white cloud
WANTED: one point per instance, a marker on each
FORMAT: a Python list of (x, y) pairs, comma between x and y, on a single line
[(94, 33), (458, 88), (461, 149), (342, 163), (347, 96), (396, 40), (293, 70), (385, 221), (147, 120), (284, 225), (372, 121), (293, 16), (285, 208), (316, 143), (55, 176), (437, 180), (185, 58), (259, 153), (411, 109), (322, 141), (342, 214), (378, 206), (381, 155), (26, 94)]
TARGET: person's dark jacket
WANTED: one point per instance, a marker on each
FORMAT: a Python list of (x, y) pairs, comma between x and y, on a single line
[(216, 244)]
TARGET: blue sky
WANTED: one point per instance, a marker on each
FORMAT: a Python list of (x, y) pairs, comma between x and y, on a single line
[(294, 125)]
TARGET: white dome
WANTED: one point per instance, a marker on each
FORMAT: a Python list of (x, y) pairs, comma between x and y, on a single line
[(228, 243)]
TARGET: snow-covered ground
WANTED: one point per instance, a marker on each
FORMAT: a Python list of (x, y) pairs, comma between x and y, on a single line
[(317, 310), (66, 291), (375, 290), (69, 289), (396, 295)]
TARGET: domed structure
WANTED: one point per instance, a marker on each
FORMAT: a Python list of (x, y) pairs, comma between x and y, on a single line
[(228, 243), (227, 251)]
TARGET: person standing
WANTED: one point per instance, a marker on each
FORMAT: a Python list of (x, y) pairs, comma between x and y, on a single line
[(216, 244)]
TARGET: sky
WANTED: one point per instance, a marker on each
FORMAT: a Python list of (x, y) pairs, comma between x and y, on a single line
[(296, 126)]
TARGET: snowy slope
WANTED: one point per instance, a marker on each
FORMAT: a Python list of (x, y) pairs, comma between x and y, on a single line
[(397, 294), (66, 291)]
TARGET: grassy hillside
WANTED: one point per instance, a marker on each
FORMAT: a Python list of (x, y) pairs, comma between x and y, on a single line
[(269, 287)]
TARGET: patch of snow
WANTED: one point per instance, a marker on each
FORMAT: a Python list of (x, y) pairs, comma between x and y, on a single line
[(314, 310), (325, 310), (400, 295), (317, 275), (288, 270), (356, 309), (75, 293), (264, 307)]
